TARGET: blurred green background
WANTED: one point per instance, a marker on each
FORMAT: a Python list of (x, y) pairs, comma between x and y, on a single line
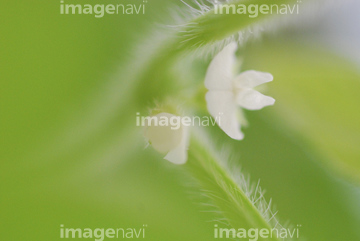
[(71, 154)]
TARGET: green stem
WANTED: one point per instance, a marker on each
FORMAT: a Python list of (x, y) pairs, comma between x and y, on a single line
[(212, 27), (225, 193)]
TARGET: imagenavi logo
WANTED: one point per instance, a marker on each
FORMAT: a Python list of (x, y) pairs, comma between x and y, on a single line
[(138, 7), (255, 10), (255, 234), (99, 234)]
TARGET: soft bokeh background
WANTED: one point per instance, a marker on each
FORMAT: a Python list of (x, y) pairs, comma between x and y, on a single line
[(70, 155)]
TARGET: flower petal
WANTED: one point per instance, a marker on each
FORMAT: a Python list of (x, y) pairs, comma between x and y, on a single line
[(163, 138), (222, 107), (251, 79), (220, 71), (179, 154), (253, 100)]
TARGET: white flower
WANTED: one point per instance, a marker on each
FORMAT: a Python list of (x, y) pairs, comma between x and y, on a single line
[(168, 140), (227, 91)]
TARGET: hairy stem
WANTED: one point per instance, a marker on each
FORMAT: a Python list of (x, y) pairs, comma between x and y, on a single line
[(227, 195)]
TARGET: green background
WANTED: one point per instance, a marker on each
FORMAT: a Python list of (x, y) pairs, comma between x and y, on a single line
[(70, 155)]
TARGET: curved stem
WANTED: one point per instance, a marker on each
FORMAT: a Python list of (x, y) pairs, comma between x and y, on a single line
[(226, 194)]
